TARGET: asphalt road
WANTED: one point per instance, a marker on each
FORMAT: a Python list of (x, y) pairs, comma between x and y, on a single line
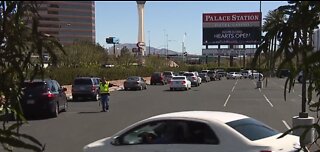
[(84, 123)]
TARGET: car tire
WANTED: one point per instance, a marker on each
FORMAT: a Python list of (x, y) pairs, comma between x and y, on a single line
[(145, 88), (171, 89), (125, 88), (65, 106), (55, 110), (96, 97), (74, 98)]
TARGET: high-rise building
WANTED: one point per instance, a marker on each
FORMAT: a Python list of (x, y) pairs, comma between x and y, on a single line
[(68, 21)]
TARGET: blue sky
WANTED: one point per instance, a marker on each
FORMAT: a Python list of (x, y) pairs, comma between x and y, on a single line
[(120, 19)]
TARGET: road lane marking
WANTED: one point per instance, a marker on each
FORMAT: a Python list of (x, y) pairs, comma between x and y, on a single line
[(225, 104), (286, 124), (268, 100), (300, 95), (233, 88), (260, 89)]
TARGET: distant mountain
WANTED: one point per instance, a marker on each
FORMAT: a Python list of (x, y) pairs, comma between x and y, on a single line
[(153, 50)]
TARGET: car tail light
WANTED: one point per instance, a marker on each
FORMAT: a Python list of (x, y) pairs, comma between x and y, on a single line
[(183, 82), (161, 78), (48, 94), (93, 88), (194, 78)]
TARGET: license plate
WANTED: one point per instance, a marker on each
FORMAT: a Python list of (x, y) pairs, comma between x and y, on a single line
[(30, 101)]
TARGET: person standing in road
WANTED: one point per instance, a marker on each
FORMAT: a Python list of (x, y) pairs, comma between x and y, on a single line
[(104, 93)]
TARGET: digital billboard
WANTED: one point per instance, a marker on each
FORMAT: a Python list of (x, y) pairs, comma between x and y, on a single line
[(231, 28)]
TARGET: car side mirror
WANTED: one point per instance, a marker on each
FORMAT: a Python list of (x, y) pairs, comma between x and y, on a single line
[(116, 141)]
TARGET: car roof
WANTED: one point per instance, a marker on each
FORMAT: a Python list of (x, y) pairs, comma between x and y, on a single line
[(212, 116), (87, 78)]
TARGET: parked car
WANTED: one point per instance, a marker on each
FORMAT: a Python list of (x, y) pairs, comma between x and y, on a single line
[(283, 73), (204, 71), (157, 77), (135, 82), (193, 78), (168, 75), (43, 97), (246, 73), (221, 72), (204, 77), (180, 82), (214, 75), (255, 75), (234, 75), (86, 87), (182, 72), (197, 131)]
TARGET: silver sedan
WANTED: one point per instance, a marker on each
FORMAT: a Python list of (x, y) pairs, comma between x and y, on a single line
[(135, 82)]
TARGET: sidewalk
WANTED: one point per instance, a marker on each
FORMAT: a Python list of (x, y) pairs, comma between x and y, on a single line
[(116, 82)]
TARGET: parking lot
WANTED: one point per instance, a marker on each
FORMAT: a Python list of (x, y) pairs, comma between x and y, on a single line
[(84, 123)]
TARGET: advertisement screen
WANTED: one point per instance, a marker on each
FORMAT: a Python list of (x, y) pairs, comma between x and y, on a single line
[(235, 36), (231, 28)]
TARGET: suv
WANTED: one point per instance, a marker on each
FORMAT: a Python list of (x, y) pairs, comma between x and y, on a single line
[(168, 75), (157, 77), (43, 97), (87, 87), (193, 78), (214, 75)]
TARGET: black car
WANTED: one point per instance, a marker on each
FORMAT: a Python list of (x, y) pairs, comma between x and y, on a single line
[(157, 77), (283, 73), (86, 87), (43, 97)]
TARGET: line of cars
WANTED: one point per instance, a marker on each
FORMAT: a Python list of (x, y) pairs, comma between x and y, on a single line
[(183, 80)]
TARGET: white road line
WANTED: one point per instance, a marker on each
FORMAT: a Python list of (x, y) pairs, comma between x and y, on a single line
[(268, 100), (260, 89), (286, 124), (253, 82), (225, 104), (233, 88), (300, 95)]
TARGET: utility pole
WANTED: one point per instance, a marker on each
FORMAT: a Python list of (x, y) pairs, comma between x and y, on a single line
[(149, 42)]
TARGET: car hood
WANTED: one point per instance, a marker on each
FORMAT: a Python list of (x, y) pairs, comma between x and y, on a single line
[(288, 143), (98, 145)]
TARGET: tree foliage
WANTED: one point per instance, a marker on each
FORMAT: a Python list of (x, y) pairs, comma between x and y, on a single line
[(83, 54), (291, 27), (21, 51)]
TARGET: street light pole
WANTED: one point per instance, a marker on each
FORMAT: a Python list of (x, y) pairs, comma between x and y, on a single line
[(149, 41)]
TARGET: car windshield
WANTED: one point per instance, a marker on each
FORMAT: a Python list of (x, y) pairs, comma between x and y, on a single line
[(82, 82), (167, 73), (188, 74), (178, 78), (133, 79), (40, 86), (252, 129)]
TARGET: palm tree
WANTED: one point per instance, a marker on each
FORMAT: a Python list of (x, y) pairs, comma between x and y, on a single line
[(294, 34), (20, 40)]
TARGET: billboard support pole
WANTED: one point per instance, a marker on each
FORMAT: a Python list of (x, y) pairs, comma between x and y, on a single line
[(244, 56), (219, 56)]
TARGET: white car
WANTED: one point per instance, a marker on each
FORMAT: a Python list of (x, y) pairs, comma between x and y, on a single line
[(193, 77), (234, 75), (196, 131), (180, 82), (255, 75)]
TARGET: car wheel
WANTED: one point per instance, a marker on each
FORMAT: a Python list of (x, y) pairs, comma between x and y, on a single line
[(125, 88), (55, 110), (65, 106), (145, 88), (171, 89), (74, 98), (96, 97)]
